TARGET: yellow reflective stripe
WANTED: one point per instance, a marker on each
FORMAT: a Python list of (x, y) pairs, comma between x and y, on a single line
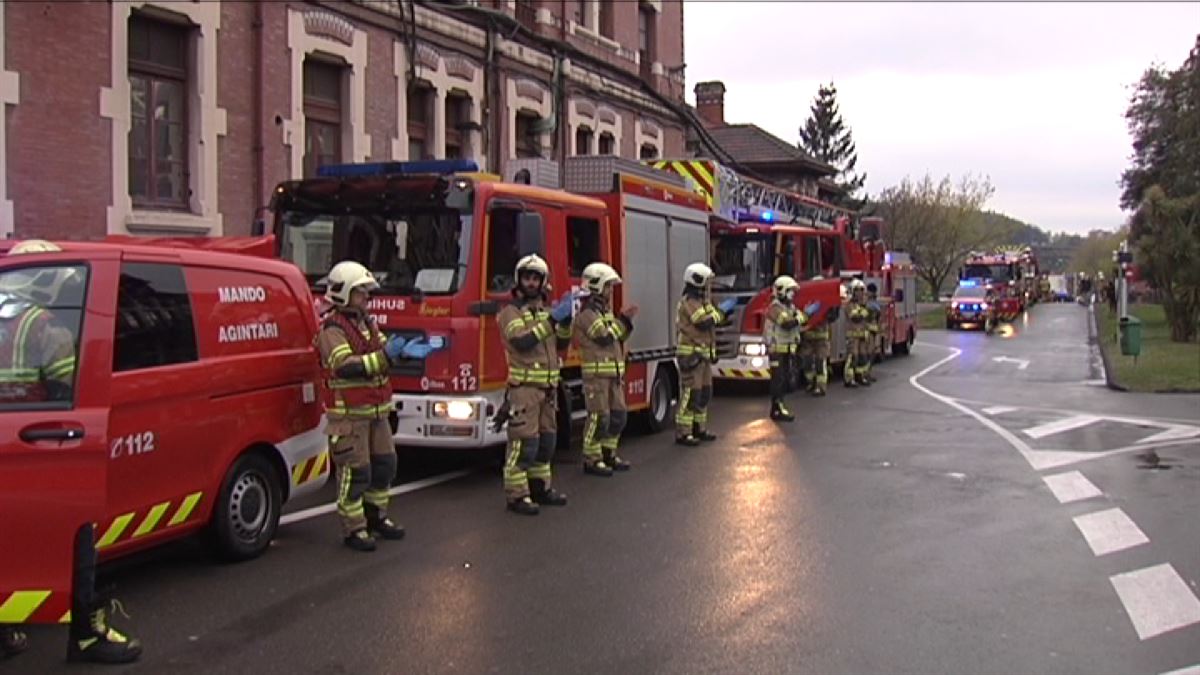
[(541, 331), (618, 328), (598, 327), (352, 384), (115, 530), (66, 617), (514, 326), (21, 605), (298, 472), (151, 519), (320, 466), (22, 333), (61, 368), (699, 314), (563, 330), (338, 354), (361, 411), (22, 375), (185, 509)]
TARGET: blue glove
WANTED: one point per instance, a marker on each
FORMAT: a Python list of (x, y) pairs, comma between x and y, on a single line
[(394, 347), (416, 349), (727, 305), (874, 306), (562, 309), (812, 308)]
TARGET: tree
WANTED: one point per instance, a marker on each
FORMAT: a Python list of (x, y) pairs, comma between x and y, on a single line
[(1094, 253), (939, 223), (1163, 187), (826, 137)]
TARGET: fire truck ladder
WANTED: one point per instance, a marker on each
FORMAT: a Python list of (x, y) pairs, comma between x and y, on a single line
[(753, 198)]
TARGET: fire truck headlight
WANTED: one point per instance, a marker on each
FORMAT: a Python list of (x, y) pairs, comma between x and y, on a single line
[(455, 410), (752, 348), (758, 362)]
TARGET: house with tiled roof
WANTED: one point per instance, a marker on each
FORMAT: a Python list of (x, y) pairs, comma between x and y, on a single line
[(756, 150)]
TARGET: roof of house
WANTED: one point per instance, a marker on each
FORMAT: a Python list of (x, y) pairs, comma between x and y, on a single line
[(750, 144)]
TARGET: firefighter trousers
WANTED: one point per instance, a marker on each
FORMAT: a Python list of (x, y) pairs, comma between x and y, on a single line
[(364, 457), (604, 398), (696, 383), (532, 435), (782, 366), (814, 355), (857, 354)]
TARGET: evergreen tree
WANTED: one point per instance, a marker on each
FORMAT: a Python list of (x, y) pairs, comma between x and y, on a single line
[(826, 137)]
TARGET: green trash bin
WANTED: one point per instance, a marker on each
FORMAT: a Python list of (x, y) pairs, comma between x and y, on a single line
[(1131, 336)]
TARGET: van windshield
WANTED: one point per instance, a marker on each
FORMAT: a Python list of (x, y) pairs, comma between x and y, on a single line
[(742, 263), (422, 250)]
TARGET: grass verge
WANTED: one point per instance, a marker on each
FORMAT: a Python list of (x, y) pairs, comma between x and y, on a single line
[(932, 318), (1163, 366)]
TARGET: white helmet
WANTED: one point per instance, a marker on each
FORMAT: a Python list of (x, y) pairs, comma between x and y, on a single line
[(345, 277), (785, 287), (857, 285), (40, 284), (698, 274), (598, 275), (532, 263)]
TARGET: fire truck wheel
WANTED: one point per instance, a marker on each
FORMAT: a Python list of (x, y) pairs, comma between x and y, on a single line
[(247, 511), (660, 411), (904, 348), (950, 325)]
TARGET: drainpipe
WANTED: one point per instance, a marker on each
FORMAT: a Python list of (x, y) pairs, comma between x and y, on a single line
[(260, 133)]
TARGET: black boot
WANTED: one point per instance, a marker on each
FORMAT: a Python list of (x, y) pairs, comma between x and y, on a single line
[(382, 527), (863, 381), (782, 413), (615, 462), (523, 506), (360, 540), (597, 467), (703, 434), (93, 640), (688, 440), (546, 496), (13, 640)]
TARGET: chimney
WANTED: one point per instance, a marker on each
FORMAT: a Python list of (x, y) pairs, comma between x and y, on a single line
[(710, 103)]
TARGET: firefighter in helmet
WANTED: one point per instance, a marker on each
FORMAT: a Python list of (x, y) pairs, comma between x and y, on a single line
[(357, 359), (814, 350), (601, 333), (532, 337), (874, 317), (782, 330), (37, 364), (857, 317), (696, 350)]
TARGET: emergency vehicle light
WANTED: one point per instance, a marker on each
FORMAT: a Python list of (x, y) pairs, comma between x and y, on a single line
[(967, 283), (433, 166)]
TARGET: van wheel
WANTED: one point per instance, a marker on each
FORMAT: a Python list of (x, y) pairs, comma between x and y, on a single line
[(660, 412), (247, 511)]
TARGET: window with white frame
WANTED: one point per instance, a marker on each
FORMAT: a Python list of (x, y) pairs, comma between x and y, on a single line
[(158, 130), (322, 114)]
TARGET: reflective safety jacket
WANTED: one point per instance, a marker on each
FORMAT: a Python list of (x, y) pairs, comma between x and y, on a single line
[(601, 337), (356, 367), (782, 329), (696, 323), (531, 342), (873, 316), (36, 354), (857, 315)]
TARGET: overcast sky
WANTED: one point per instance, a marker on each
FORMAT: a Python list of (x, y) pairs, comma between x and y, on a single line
[(1032, 95)]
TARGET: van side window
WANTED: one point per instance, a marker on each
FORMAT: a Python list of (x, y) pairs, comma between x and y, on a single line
[(41, 312), (154, 318), (502, 250), (584, 245)]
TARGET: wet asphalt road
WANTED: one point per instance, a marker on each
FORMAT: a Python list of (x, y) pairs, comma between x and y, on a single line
[(897, 529)]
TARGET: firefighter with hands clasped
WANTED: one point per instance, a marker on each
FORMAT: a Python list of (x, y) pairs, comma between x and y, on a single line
[(37, 365), (601, 334), (857, 317), (782, 331), (874, 316), (532, 337), (696, 351), (814, 350), (357, 358)]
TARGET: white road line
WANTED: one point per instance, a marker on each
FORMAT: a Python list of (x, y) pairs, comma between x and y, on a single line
[(315, 511), (1071, 486), (1163, 422), (1190, 670), (1059, 426), (1157, 600), (1174, 433), (1109, 531), (998, 410)]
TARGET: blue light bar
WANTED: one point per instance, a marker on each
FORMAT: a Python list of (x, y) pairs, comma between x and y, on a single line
[(767, 216), (432, 166), (967, 283)]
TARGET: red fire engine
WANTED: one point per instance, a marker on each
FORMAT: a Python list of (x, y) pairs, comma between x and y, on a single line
[(1012, 273)]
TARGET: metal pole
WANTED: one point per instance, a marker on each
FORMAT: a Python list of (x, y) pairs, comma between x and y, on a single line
[(1122, 285)]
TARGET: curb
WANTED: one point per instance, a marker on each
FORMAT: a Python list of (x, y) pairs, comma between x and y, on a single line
[(1094, 339)]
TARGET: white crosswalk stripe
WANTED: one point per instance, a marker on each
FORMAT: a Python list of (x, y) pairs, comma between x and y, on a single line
[(1060, 425), (1109, 531), (1071, 486), (1157, 600)]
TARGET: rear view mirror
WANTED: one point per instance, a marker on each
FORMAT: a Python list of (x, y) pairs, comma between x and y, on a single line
[(530, 234)]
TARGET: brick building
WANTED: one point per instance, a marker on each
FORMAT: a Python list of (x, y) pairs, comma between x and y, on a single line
[(179, 117), (756, 150)]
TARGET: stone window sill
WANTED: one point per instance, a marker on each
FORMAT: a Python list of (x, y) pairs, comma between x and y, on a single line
[(146, 221)]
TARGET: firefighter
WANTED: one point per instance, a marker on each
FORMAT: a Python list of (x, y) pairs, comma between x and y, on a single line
[(782, 331), (601, 335), (357, 359), (37, 364), (857, 316), (532, 338), (814, 351), (874, 315), (696, 351)]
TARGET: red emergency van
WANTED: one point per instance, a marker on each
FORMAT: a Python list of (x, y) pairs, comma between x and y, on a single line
[(193, 404)]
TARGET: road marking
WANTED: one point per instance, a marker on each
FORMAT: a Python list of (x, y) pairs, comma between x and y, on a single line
[(1174, 433), (999, 410), (1022, 364), (1156, 599), (1059, 426), (1071, 486), (1110, 531), (1190, 670), (315, 511)]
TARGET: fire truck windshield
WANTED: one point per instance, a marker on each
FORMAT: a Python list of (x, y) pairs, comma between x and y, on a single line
[(420, 250), (742, 263), (981, 271)]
